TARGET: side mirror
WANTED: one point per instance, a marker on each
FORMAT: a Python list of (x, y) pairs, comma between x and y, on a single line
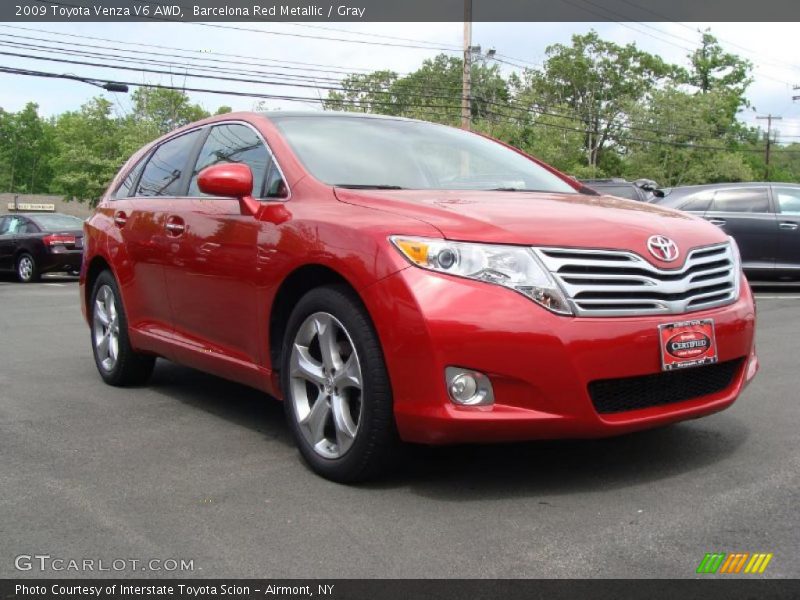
[(233, 180)]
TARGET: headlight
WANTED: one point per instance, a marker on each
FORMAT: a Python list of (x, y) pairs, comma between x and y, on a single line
[(514, 267), (737, 266)]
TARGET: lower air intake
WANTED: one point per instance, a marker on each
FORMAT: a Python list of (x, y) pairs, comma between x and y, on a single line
[(634, 393)]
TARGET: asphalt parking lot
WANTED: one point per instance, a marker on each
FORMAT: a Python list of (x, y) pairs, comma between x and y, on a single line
[(193, 467)]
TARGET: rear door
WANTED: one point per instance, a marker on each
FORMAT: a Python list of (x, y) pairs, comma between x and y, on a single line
[(746, 214), (787, 204), (9, 241), (212, 271), (6, 244), (142, 221)]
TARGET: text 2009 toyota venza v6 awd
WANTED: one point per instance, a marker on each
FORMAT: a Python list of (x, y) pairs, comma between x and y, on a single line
[(399, 280)]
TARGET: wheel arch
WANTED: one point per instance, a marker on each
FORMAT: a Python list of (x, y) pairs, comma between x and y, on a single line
[(298, 283), (97, 265)]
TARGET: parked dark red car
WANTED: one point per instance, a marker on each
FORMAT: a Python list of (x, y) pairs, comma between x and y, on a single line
[(32, 244), (396, 280)]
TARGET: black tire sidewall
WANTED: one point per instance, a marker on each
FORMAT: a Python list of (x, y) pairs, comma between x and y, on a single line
[(130, 367), (376, 430)]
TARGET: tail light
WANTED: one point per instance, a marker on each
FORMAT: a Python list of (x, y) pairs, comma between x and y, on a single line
[(59, 240)]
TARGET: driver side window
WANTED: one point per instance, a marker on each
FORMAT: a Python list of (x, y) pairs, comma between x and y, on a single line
[(235, 143)]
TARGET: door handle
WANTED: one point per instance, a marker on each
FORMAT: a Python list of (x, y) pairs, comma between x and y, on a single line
[(717, 222), (120, 218), (788, 225), (175, 226)]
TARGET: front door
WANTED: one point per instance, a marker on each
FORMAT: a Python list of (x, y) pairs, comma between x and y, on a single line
[(787, 202), (212, 273)]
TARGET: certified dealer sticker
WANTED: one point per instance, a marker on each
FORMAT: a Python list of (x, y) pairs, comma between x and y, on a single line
[(687, 344)]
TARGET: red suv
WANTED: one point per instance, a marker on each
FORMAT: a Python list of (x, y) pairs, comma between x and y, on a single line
[(393, 279)]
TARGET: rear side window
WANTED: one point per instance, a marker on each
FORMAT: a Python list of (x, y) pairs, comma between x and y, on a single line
[(620, 191), (163, 174), (30, 227), (788, 200), (698, 202), (233, 143), (125, 188), (748, 200)]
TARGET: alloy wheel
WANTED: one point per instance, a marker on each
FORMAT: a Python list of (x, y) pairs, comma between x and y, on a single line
[(25, 268), (326, 385), (106, 328)]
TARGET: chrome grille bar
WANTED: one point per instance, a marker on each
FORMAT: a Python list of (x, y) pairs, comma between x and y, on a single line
[(621, 283)]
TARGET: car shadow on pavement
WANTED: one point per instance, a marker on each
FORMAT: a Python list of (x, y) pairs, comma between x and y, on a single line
[(239, 404), (486, 470), (554, 467)]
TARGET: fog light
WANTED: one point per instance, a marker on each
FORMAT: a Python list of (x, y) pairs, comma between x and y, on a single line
[(468, 388)]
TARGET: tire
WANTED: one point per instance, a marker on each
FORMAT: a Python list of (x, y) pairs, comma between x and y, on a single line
[(351, 436), (117, 362), (27, 271)]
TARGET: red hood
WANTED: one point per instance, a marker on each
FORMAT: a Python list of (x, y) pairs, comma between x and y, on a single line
[(541, 219)]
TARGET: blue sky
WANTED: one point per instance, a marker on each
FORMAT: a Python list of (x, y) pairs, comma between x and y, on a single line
[(772, 47)]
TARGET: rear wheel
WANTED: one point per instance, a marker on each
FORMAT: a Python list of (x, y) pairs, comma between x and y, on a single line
[(117, 362), (336, 388), (27, 272)]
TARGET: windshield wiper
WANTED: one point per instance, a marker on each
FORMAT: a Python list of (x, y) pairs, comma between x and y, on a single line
[(366, 186), (514, 189)]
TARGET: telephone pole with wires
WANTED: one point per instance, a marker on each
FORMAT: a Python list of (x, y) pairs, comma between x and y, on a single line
[(769, 119), (466, 75)]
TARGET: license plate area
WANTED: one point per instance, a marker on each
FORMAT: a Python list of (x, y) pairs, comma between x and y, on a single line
[(687, 344)]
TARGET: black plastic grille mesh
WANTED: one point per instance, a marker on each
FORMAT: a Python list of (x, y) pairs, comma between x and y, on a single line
[(632, 393)]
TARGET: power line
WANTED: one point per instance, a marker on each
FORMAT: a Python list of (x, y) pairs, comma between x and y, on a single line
[(287, 97), (330, 68), (404, 99), (429, 113)]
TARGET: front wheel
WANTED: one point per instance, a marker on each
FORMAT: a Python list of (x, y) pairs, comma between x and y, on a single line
[(117, 362), (336, 389)]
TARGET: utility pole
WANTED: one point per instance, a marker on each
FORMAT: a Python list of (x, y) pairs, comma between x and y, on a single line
[(769, 119), (466, 76)]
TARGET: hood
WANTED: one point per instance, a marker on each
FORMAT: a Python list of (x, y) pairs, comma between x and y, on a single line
[(541, 219)]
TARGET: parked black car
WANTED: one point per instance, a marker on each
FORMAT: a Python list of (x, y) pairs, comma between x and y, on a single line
[(643, 190), (33, 244), (764, 219)]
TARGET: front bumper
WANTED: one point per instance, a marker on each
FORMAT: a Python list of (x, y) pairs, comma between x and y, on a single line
[(540, 364)]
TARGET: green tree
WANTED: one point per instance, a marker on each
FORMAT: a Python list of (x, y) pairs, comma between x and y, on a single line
[(88, 151), (432, 92), (595, 80), (714, 70), (675, 139), (26, 148), (164, 110)]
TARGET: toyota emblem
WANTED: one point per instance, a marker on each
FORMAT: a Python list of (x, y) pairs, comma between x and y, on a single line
[(662, 248)]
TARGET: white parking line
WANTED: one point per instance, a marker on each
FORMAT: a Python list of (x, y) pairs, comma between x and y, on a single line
[(777, 297), (55, 284)]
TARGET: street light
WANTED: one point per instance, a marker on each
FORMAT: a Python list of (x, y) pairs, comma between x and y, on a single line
[(109, 86)]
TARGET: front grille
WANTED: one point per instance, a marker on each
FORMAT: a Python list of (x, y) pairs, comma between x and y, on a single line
[(619, 283), (633, 393)]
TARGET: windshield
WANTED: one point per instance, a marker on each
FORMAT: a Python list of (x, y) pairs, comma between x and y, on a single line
[(393, 153), (58, 222)]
